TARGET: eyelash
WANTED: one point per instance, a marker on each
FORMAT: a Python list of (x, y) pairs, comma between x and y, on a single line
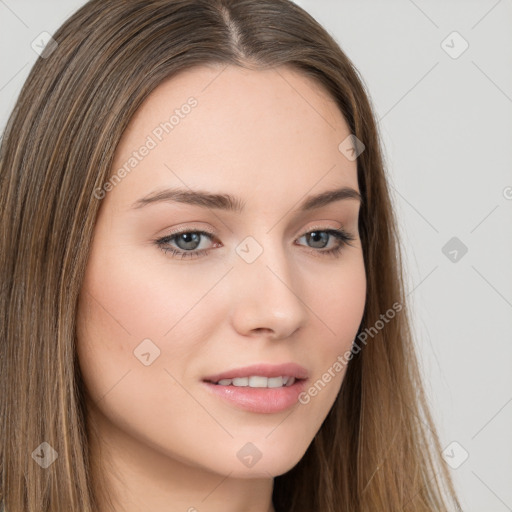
[(341, 235)]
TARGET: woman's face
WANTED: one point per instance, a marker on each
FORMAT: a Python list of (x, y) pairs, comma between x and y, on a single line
[(162, 313)]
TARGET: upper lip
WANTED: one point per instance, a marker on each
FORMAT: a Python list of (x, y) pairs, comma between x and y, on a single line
[(263, 370)]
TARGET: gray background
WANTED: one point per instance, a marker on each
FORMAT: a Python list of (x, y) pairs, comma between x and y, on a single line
[(447, 128)]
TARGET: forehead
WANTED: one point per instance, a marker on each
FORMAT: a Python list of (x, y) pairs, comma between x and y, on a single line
[(228, 89), (274, 129)]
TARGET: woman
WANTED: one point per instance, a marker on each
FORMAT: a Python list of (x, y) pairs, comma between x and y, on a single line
[(202, 291)]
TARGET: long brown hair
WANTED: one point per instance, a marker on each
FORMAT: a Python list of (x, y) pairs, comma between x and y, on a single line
[(378, 448)]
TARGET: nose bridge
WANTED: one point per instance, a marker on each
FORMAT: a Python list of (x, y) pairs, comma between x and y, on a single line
[(266, 287), (264, 255)]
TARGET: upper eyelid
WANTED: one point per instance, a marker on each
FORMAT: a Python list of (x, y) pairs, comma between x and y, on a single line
[(213, 235), (211, 232), (349, 235)]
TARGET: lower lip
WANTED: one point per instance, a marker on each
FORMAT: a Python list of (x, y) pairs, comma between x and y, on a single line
[(260, 400)]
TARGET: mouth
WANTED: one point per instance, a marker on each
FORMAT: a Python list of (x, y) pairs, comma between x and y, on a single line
[(259, 388)]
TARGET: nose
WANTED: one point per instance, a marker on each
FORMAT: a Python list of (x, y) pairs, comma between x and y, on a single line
[(267, 296)]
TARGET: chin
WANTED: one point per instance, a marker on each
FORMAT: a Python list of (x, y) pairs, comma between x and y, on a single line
[(264, 459)]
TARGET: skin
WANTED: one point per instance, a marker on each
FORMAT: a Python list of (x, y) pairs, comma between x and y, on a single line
[(271, 138)]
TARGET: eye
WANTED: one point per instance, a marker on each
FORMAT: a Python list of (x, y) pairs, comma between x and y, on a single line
[(186, 243), (320, 239)]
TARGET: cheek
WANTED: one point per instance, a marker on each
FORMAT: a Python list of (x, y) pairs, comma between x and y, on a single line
[(118, 309), (339, 304), (339, 310), (124, 306), (127, 299)]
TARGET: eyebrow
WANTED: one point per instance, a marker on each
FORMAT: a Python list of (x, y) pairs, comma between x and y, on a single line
[(234, 204)]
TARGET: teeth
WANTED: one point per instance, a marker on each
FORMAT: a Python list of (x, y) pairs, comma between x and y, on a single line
[(276, 382), (256, 381)]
